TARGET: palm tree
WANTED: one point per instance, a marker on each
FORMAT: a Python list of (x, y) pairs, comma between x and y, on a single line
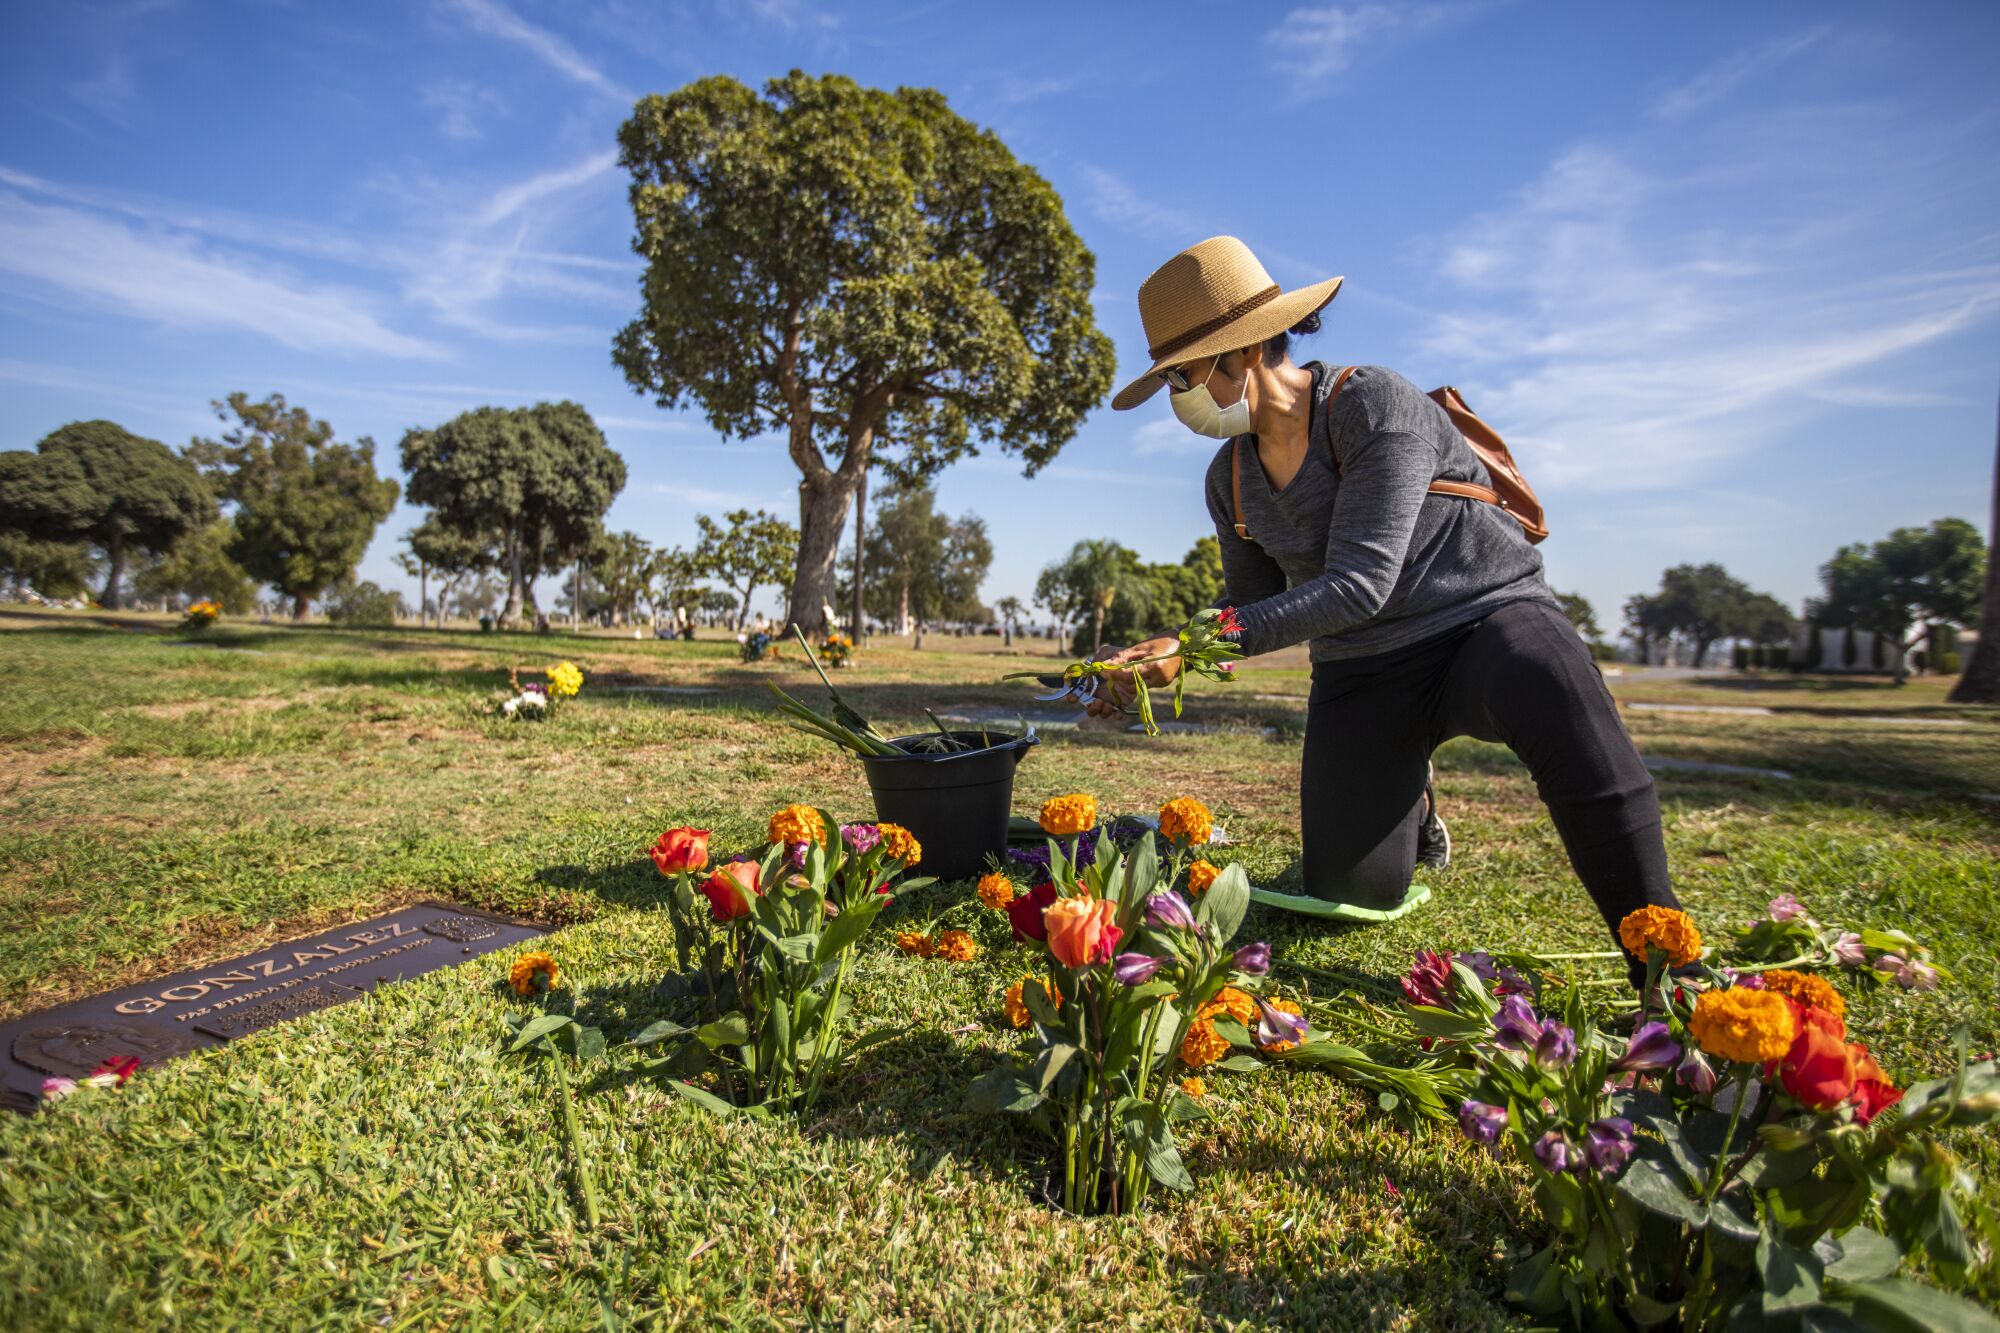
[(1010, 611), (1103, 571)]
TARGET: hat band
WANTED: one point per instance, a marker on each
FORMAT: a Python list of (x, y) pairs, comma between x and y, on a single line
[(1221, 321)]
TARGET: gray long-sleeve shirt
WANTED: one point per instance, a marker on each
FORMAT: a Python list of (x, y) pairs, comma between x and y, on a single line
[(1361, 559)]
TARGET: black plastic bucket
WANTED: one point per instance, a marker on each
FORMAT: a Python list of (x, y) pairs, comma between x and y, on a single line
[(956, 803)]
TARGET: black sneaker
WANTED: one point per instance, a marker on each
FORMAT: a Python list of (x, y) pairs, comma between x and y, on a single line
[(1433, 838)]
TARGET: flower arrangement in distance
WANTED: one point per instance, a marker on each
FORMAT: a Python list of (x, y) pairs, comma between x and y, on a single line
[(200, 616), (534, 700)]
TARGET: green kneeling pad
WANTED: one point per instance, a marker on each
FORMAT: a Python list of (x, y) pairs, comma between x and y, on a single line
[(1305, 905)]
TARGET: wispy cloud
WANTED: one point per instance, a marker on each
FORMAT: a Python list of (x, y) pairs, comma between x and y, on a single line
[(1641, 313), (1725, 76), (509, 200), (113, 91), (175, 280), (1312, 44), (463, 108), (496, 20), (1110, 197)]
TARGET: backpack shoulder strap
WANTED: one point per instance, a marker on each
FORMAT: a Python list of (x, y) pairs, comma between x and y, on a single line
[(1236, 485)]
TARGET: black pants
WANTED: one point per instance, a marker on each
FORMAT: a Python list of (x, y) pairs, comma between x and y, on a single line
[(1520, 677)]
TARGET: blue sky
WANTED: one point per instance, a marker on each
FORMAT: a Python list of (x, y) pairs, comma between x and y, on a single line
[(1726, 275)]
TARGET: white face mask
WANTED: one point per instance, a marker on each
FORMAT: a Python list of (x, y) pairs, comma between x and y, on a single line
[(1197, 410)]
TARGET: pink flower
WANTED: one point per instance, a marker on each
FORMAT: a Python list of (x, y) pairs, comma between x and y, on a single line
[(55, 1089), (1785, 907), (1848, 950)]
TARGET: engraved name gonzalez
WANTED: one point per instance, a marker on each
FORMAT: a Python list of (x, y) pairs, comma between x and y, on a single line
[(249, 971)]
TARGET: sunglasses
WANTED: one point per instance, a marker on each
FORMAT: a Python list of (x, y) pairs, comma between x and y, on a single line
[(1177, 379)]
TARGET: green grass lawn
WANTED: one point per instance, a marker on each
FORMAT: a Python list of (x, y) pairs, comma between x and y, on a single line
[(164, 804)]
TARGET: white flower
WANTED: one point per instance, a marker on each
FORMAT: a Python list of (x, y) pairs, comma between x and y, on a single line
[(510, 706), (535, 700), (55, 1089)]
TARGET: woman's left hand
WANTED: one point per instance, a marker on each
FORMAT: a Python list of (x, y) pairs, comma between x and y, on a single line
[(1116, 694)]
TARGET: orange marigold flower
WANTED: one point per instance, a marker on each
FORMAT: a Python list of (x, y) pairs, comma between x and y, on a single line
[(1667, 929), (532, 974), (916, 942), (1074, 813), (1194, 1087), (1813, 992), (1235, 1002), (899, 844), (797, 823), (1203, 1045), (1283, 1007), (1743, 1025), (1200, 875), (1186, 820), (1017, 1008), (996, 891), (956, 946)]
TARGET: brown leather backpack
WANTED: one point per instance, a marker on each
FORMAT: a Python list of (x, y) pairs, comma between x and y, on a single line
[(1510, 490)]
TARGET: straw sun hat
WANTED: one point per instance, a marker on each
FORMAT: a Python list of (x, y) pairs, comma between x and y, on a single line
[(1209, 299)]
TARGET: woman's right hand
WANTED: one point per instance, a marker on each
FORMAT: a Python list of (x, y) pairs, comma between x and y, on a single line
[(1116, 693)]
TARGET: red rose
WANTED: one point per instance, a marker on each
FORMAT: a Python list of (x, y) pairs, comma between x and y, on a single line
[(680, 850), (124, 1066), (730, 889), (1817, 1071), (1873, 1092), (1025, 912)]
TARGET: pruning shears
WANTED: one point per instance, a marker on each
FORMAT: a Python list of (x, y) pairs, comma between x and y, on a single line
[(1084, 687)]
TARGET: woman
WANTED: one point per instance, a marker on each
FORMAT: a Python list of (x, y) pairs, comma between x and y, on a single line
[(1426, 613)]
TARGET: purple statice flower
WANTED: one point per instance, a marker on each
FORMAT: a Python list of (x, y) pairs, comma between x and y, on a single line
[(1275, 1025), (1555, 1046), (1133, 969), (1556, 1153), (1038, 855), (1428, 981), (1652, 1048), (1515, 1027), (1169, 910), (1696, 1074), (1254, 959), (1785, 907), (1607, 1143), (1482, 1121), (862, 839), (1848, 950)]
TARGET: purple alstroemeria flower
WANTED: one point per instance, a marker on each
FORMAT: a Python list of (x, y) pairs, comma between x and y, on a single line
[(796, 854), (1134, 969), (1168, 909), (1908, 973), (1254, 959), (1275, 1025), (1502, 981), (1482, 1121), (1652, 1048), (1607, 1143), (1556, 1153), (1428, 982), (861, 839), (1696, 1074), (1515, 1027), (1555, 1046), (1849, 951), (1785, 907)]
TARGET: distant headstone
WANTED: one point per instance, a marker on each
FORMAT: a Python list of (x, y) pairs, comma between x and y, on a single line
[(208, 1006)]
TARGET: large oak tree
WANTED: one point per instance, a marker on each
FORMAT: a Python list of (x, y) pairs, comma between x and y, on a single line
[(845, 264), (95, 482)]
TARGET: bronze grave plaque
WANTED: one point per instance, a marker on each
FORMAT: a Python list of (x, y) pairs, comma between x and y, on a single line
[(207, 1006)]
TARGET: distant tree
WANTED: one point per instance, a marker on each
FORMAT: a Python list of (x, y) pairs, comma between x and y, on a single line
[(755, 550), (1981, 682), (1702, 603), (921, 566), (1764, 620), (58, 570), (673, 579), (1582, 615), (1906, 585), (1174, 592), (1645, 623), (95, 482), (621, 565), (718, 604), (1010, 610), (539, 478), (846, 264), (199, 567), (351, 603), (451, 555), (306, 506), (477, 597), (1097, 578)]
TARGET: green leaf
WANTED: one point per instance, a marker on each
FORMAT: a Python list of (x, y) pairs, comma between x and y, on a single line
[(1050, 1063), (732, 1029), (1040, 1007), (1241, 1063), (587, 1043), (1163, 1160), (1655, 1187), (842, 932), (1862, 1255), (532, 1032), (1893, 1305), (1535, 1285), (1791, 1276), (658, 1031), (1001, 1089), (701, 1097), (1142, 871), (1221, 909), (1231, 1031)]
